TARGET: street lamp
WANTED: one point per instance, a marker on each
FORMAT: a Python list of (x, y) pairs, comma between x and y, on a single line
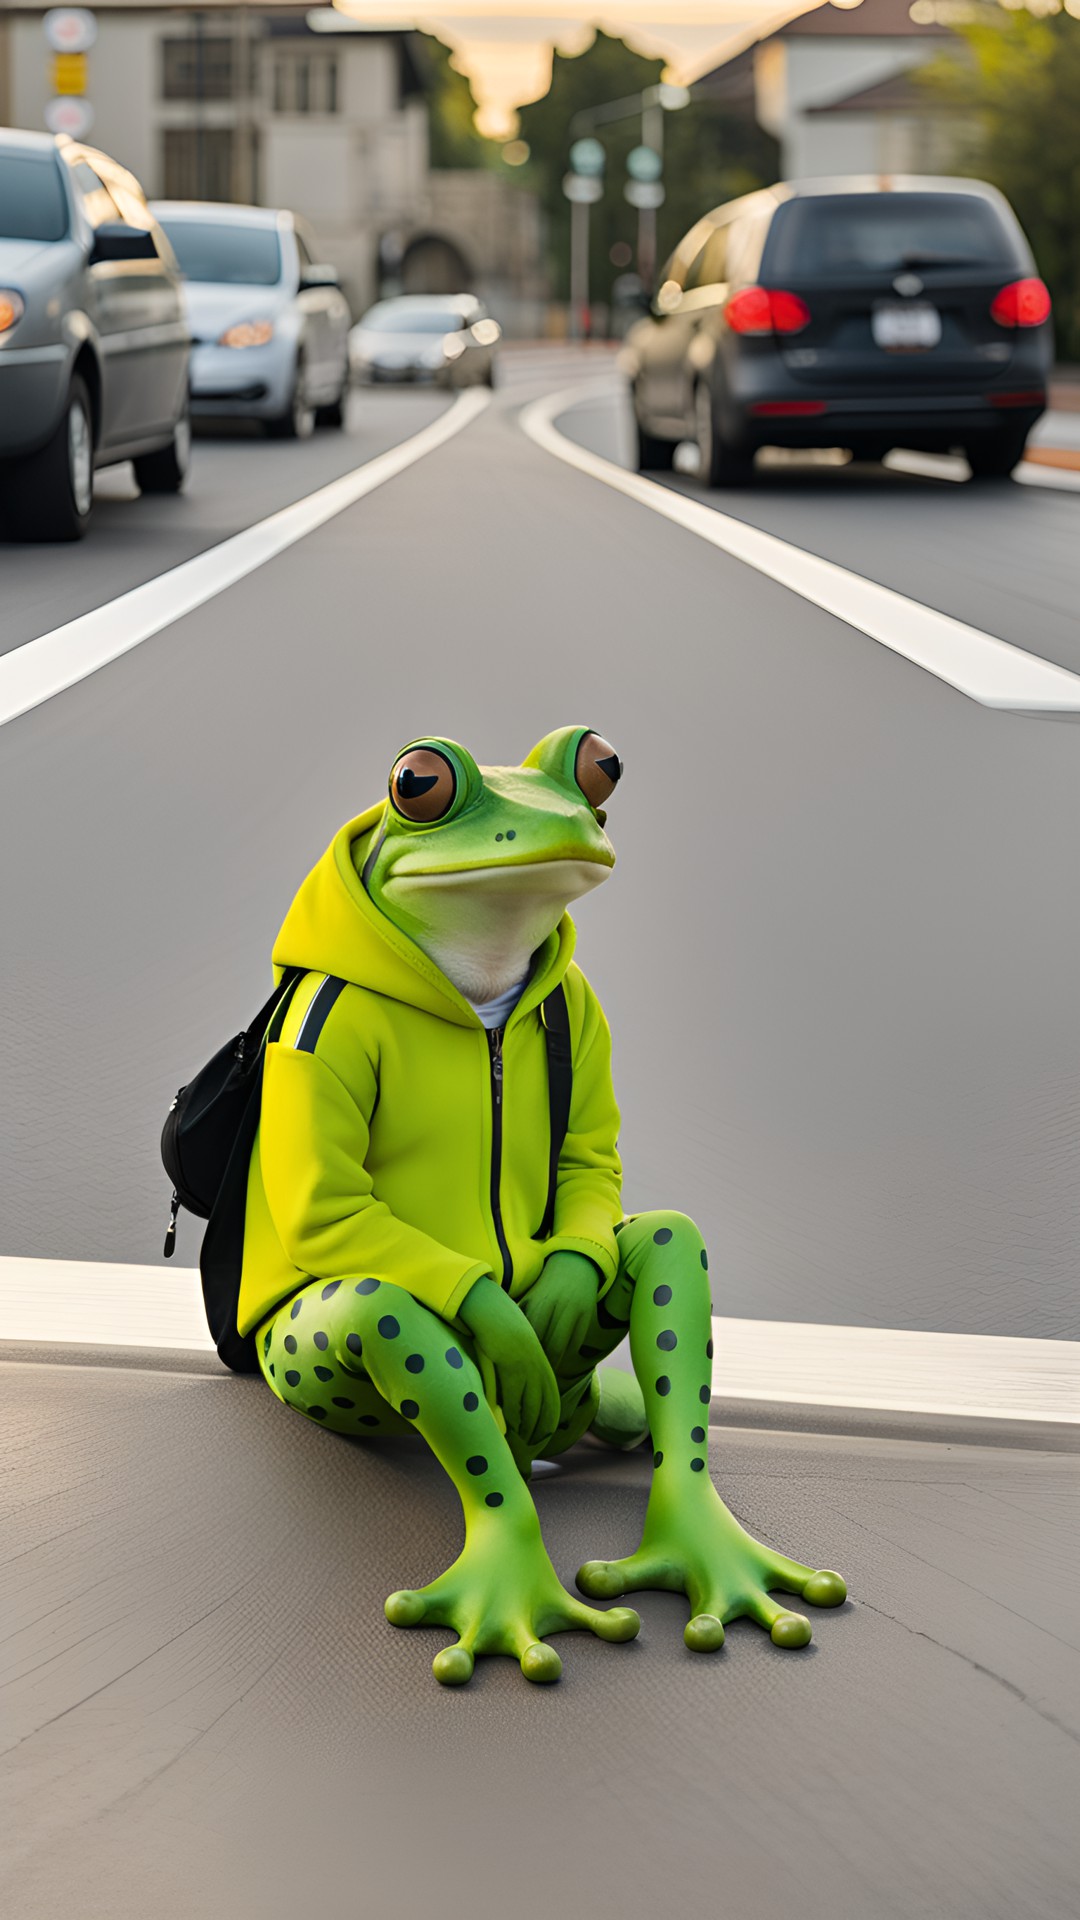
[(645, 189)]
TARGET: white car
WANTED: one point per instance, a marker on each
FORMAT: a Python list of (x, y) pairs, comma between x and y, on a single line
[(269, 327), (448, 339)]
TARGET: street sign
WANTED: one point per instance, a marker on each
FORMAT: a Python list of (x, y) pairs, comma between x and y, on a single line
[(672, 98), (70, 29), (69, 72), (587, 157), (644, 163), (645, 195), (579, 188), (67, 114)]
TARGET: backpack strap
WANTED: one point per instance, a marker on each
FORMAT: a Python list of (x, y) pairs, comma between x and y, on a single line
[(555, 1018)]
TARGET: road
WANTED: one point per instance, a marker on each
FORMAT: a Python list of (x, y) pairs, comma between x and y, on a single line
[(838, 955)]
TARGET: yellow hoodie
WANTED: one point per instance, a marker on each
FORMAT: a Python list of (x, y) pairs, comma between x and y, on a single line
[(375, 1143)]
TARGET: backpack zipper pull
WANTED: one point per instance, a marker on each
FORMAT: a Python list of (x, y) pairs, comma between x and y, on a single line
[(170, 1231)]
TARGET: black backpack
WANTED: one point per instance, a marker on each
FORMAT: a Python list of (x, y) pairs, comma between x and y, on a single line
[(210, 1130)]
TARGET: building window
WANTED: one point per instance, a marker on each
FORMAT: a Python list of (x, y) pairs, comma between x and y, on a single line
[(204, 66), (198, 163), (306, 83)]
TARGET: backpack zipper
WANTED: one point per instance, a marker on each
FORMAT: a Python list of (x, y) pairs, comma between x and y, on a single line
[(495, 1046)]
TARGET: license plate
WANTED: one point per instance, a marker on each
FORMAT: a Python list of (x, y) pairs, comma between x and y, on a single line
[(907, 329)]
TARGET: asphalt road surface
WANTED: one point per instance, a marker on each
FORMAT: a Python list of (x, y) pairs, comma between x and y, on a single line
[(838, 954)]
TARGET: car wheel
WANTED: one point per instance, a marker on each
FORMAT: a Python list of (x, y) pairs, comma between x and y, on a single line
[(489, 377), (653, 455), (719, 465), (298, 420), (52, 492), (994, 458), (167, 470)]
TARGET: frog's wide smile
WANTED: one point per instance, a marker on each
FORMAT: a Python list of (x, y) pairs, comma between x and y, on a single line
[(502, 864)]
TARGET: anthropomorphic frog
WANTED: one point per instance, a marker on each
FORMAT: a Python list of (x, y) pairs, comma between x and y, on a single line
[(403, 1269)]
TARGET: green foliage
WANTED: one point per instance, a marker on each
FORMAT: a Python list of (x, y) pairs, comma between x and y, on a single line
[(710, 155), (1016, 104), (452, 137)]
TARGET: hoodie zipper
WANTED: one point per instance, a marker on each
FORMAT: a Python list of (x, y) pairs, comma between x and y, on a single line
[(495, 1051)]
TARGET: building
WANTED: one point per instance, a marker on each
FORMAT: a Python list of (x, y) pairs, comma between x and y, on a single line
[(288, 106), (838, 87)]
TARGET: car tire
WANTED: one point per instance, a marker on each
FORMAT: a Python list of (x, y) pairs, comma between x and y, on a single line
[(489, 377), (653, 455), (333, 414), (166, 471), (994, 458), (52, 492), (719, 465), (298, 420)]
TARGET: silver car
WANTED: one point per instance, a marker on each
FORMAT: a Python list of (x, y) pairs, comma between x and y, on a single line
[(93, 340), (448, 339), (269, 326)]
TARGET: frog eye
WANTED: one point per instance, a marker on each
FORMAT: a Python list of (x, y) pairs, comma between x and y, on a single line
[(423, 785), (597, 769)]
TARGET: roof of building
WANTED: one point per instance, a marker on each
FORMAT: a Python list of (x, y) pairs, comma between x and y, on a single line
[(870, 20), (901, 93)]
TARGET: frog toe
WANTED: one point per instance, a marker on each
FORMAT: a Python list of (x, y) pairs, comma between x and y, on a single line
[(791, 1630), (601, 1579), (825, 1589), (704, 1633), (407, 1608), (453, 1666), (541, 1664)]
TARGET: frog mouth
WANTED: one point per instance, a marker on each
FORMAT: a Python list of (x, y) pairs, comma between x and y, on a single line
[(508, 864), (563, 877)]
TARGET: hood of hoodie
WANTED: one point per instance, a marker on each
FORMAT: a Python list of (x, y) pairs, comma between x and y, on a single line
[(334, 927)]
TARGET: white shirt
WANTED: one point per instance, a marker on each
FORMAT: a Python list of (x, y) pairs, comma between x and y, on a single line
[(496, 1013)]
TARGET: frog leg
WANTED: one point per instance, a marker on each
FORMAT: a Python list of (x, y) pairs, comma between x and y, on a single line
[(502, 1594), (691, 1543)]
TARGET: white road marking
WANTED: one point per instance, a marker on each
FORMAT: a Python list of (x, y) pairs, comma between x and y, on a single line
[(34, 672), (986, 669), (949, 466), (89, 1303)]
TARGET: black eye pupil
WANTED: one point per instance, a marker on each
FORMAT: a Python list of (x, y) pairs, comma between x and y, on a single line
[(411, 785), (612, 766)]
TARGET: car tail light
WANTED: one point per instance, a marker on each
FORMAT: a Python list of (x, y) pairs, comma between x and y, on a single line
[(788, 409), (11, 308), (766, 310), (1023, 303)]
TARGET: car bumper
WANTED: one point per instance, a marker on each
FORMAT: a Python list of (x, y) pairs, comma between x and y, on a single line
[(930, 422), (250, 381), (33, 387), (413, 376)]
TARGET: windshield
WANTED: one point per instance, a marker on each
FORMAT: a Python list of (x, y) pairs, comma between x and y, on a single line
[(886, 232), (388, 317), (225, 253), (33, 205)]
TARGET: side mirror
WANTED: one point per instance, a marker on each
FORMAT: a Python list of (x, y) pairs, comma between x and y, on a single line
[(313, 278), (115, 241)]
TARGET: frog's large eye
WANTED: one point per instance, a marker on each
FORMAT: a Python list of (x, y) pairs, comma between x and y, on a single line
[(597, 769), (423, 785)]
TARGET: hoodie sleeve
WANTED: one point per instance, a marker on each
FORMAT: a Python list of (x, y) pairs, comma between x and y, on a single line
[(313, 1139), (588, 1204)]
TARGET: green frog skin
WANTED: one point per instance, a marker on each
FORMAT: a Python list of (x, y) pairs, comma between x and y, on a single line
[(480, 1337)]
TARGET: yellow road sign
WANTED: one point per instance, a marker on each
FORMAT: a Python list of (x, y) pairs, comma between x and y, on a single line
[(69, 73)]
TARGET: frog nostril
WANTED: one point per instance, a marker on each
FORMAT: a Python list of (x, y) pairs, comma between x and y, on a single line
[(511, 835), (498, 836)]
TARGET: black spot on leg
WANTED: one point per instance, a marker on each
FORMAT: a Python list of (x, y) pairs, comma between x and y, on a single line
[(663, 1385), (705, 1395), (354, 1344), (410, 1408), (340, 1401), (293, 1377), (389, 1327), (657, 1459), (324, 1373), (369, 1420), (415, 1363), (698, 1434), (470, 1402), (322, 1341), (295, 1308), (493, 1500), (290, 1343), (476, 1463), (316, 1413), (661, 1296), (453, 1358), (667, 1341), (708, 1350), (662, 1236), (365, 1286), (704, 1259), (697, 1466), (329, 1291)]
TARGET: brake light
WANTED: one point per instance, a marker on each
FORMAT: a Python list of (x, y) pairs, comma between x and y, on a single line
[(766, 310), (1023, 303)]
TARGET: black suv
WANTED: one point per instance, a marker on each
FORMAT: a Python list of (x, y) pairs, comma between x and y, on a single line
[(861, 313)]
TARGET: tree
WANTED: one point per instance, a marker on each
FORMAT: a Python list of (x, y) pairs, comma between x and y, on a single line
[(1016, 99), (711, 155)]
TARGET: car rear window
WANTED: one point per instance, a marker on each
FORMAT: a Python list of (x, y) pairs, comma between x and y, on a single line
[(886, 232), (224, 253), (389, 317), (33, 205)]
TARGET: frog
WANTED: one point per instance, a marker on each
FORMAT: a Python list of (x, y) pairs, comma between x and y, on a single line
[(413, 1264)]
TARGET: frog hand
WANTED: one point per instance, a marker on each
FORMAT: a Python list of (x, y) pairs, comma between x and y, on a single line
[(502, 1595), (724, 1573)]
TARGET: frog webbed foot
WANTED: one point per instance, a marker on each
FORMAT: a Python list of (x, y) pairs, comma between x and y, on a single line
[(725, 1575), (503, 1596)]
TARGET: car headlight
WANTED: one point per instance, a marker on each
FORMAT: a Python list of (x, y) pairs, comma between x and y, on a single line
[(453, 346), (248, 333), (12, 308), (486, 332)]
